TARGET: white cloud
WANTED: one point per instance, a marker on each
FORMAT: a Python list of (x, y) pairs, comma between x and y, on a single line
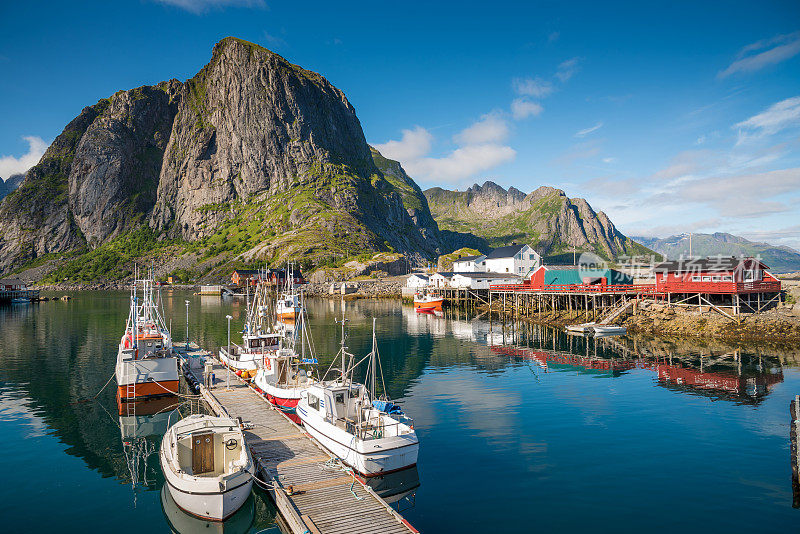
[(609, 160), (587, 131), (687, 163), (462, 162), (535, 87), (522, 108), (567, 69), (10, 165), (413, 145), (479, 150), (762, 53), (777, 117), (202, 6), (490, 129)]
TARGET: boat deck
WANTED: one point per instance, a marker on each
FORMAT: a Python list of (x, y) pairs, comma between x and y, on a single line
[(324, 500)]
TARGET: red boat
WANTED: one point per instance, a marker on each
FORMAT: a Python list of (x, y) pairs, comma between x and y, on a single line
[(427, 302)]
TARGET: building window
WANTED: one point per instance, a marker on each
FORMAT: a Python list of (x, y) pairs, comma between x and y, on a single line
[(506, 269), (531, 257), (695, 279)]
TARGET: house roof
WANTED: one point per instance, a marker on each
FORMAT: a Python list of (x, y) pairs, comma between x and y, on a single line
[(445, 274), (467, 258), (504, 252), (714, 264), (487, 275), (420, 276)]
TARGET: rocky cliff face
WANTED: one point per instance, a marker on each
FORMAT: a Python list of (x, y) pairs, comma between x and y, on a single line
[(253, 158), (546, 218)]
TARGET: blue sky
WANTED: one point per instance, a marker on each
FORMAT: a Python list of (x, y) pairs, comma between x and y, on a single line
[(669, 116)]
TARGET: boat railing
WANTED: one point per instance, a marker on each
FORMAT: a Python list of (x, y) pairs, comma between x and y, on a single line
[(377, 428)]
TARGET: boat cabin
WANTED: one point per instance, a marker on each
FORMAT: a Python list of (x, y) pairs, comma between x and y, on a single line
[(349, 409), (262, 343), (206, 452)]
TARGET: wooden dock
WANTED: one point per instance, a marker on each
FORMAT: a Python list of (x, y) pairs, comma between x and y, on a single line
[(324, 500)]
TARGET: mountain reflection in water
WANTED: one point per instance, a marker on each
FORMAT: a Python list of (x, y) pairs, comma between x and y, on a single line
[(511, 419)]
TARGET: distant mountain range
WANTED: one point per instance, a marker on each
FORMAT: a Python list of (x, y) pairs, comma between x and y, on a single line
[(780, 259), (10, 185), (547, 219)]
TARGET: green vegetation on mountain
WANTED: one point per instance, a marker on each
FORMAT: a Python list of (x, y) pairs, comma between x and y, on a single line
[(445, 261), (546, 218)]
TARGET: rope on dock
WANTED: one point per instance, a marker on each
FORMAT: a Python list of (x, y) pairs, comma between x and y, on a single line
[(336, 464)]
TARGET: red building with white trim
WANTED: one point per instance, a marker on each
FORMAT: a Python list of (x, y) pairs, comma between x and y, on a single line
[(744, 284)]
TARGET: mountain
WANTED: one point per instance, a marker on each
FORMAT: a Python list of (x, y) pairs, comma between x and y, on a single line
[(10, 185), (253, 159), (780, 259), (545, 218)]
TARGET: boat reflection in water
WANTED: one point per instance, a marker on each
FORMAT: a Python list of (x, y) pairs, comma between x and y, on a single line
[(183, 523), (398, 488), (142, 425)]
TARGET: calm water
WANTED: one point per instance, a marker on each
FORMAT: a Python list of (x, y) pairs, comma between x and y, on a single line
[(520, 430)]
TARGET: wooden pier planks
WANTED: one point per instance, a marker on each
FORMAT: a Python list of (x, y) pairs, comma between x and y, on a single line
[(324, 500)]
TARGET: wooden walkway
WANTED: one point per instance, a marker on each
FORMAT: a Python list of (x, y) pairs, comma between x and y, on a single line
[(325, 500)]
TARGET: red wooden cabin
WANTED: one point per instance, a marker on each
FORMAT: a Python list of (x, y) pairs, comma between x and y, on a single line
[(715, 275)]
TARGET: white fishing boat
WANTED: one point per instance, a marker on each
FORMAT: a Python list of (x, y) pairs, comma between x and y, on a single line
[(581, 328), (258, 338), (609, 330), (289, 306), (146, 366), (207, 466), (369, 434), (284, 374)]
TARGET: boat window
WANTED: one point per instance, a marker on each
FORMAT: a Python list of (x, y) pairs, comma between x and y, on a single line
[(354, 393), (313, 401), (716, 278), (727, 279), (339, 398), (706, 279), (695, 279)]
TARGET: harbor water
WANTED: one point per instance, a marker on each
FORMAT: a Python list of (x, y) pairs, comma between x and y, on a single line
[(522, 428)]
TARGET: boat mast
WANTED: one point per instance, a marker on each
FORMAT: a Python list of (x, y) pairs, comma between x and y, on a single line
[(372, 361)]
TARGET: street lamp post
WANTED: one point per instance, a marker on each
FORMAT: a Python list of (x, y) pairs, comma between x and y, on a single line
[(228, 379), (187, 325)]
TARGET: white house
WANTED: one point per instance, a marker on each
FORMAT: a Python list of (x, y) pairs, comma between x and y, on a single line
[(482, 280), (440, 280), (469, 264), (521, 260), (417, 281)]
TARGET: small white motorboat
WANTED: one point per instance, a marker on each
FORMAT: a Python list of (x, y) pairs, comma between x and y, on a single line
[(582, 328), (207, 466), (609, 330)]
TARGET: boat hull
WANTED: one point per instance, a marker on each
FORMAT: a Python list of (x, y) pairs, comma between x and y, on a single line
[(284, 398), (147, 378), (379, 460), (147, 390), (213, 506), (428, 305)]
